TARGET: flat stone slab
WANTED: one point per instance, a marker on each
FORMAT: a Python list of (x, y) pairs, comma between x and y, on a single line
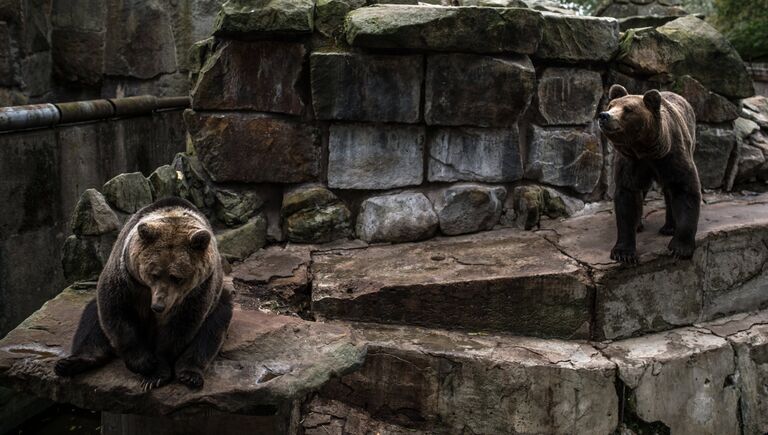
[(266, 363), (502, 280)]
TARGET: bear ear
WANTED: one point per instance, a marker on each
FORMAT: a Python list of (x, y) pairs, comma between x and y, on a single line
[(148, 232), (617, 91), (652, 100), (199, 239)]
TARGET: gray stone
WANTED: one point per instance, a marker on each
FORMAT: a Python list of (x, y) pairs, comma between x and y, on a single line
[(714, 146), (82, 15), (564, 156), (330, 14), (254, 147), (261, 76), (469, 208), (144, 49), (494, 3), (235, 207), (366, 156), (192, 182), (475, 154), (708, 106), (401, 217), (756, 109), (265, 17), (751, 347), (238, 243), (621, 9), (571, 38), (128, 192), (687, 46), (313, 214), (363, 87), (528, 204), (78, 56), (92, 215), (83, 258), (484, 91), (753, 155), (743, 127), (568, 96), (683, 379), (164, 181), (478, 30), (8, 64), (36, 70)]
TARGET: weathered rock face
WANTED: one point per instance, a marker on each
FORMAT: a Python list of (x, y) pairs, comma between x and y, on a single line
[(564, 156), (689, 46), (371, 156), (362, 87), (401, 217), (83, 257), (92, 215), (568, 96), (752, 151), (701, 367), (144, 49), (527, 205), (330, 14), (475, 154), (265, 17), (468, 208), (235, 207), (714, 146), (477, 30), (164, 181), (288, 151), (465, 89), (313, 214), (708, 106), (78, 56), (238, 243), (571, 38), (192, 182), (128, 192), (262, 76), (636, 8), (756, 109)]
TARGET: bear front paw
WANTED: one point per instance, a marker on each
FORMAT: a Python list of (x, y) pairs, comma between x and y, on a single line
[(142, 364), (191, 379), (71, 366), (680, 249), (624, 255), (161, 376), (667, 230)]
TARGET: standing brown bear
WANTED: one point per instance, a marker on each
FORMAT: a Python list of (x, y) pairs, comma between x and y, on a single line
[(160, 302), (655, 136)]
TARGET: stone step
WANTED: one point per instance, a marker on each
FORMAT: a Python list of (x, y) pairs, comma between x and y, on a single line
[(557, 282), (694, 380)]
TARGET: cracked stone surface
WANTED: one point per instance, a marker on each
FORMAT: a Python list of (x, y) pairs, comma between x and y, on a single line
[(448, 382), (267, 361), (682, 378), (501, 280)]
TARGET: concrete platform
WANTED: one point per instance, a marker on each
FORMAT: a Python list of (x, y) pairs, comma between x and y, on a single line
[(557, 282)]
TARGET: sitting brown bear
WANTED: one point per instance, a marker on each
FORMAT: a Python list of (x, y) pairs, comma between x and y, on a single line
[(160, 302), (655, 136)]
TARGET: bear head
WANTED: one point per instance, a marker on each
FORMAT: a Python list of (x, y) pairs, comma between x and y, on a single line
[(171, 254), (632, 122)]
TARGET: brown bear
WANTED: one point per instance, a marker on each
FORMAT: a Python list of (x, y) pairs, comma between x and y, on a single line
[(160, 301), (655, 136)]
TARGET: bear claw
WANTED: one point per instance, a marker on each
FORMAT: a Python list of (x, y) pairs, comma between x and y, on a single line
[(681, 250), (191, 379), (623, 255)]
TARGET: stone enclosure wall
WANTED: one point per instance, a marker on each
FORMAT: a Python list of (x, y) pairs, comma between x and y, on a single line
[(393, 123)]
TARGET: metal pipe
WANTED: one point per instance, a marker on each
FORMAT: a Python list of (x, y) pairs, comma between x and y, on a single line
[(134, 105), (79, 111), (21, 117), (173, 102)]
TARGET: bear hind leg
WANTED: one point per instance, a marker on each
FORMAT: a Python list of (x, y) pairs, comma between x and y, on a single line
[(206, 344), (686, 208), (90, 347), (669, 219)]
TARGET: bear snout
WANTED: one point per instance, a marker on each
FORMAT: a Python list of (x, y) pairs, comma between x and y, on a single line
[(158, 307), (604, 116)]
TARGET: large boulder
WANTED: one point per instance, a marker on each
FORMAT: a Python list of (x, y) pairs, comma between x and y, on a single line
[(128, 192), (93, 216), (528, 204), (259, 18), (568, 96), (689, 46), (469, 208), (238, 243), (313, 214), (164, 181), (756, 109), (572, 38), (708, 106), (235, 207), (437, 28), (262, 76), (364, 87), (641, 8), (714, 145), (564, 156), (193, 184), (83, 257), (475, 154), (330, 14), (373, 156), (485, 91), (254, 147), (402, 217)]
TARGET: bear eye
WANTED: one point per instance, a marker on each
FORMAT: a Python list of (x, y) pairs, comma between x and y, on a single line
[(176, 280), (628, 109)]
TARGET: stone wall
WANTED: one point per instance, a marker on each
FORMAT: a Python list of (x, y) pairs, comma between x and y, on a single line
[(44, 173), (393, 123), (63, 50)]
